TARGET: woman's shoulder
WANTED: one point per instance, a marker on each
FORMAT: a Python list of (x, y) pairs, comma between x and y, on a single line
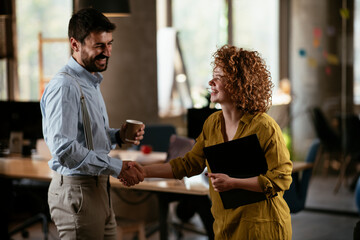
[(266, 121)]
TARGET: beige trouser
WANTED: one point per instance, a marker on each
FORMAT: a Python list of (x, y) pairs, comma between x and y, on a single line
[(81, 207)]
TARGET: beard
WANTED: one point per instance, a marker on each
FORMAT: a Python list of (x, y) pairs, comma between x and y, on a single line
[(91, 64)]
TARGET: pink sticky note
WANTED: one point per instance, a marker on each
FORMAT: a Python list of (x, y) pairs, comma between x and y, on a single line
[(328, 70), (325, 54), (317, 32)]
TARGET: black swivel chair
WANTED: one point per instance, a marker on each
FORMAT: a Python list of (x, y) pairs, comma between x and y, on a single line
[(188, 205), (343, 147), (351, 149), (30, 196), (330, 139), (296, 195), (327, 135), (158, 135)]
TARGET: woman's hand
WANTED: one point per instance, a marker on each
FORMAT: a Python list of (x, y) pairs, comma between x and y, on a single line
[(221, 182)]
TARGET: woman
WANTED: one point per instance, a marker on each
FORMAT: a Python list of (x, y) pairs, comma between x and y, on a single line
[(242, 85)]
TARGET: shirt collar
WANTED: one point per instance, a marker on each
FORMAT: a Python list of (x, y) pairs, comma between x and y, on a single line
[(247, 117), (82, 73)]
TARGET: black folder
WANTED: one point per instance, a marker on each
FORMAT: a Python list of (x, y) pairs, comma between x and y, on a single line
[(240, 158)]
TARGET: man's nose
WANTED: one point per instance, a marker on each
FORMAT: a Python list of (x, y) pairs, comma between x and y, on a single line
[(107, 51), (211, 82)]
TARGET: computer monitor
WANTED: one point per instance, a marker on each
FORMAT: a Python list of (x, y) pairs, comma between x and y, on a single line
[(195, 120), (22, 117)]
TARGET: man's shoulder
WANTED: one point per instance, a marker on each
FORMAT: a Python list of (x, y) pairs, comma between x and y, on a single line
[(62, 83), (64, 77)]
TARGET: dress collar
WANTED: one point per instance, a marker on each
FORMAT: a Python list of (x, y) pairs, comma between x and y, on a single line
[(247, 117), (83, 74)]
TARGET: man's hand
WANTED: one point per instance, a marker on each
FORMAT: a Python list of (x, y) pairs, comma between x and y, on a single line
[(139, 134), (131, 173)]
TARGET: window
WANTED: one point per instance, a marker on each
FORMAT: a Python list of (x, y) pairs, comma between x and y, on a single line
[(3, 80), (201, 32), (357, 52), (50, 19), (255, 21)]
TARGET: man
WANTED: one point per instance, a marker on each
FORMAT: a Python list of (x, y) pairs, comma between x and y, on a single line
[(76, 129)]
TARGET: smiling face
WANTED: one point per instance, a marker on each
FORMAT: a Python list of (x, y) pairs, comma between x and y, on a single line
[(217, 84), (94, 54)]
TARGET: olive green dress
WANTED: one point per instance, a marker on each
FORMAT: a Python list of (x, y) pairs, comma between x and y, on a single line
[(268, 219)]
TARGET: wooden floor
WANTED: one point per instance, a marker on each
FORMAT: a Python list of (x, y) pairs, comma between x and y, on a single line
[(328, 216)]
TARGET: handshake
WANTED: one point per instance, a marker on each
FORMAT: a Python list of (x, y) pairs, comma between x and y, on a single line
[(131, 173)]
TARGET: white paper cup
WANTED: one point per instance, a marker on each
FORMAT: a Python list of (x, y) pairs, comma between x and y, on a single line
[(132, 127)]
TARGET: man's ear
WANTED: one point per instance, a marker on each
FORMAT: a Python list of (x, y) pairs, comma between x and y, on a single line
[(74, 44)]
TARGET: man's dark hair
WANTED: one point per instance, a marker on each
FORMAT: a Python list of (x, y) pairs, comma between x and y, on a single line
[(88, 20)]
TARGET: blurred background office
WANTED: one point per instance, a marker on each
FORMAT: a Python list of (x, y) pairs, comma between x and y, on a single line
[(163, 49)]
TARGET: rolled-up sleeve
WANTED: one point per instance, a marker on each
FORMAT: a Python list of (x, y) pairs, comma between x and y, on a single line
[(193, 163), (278, 176)]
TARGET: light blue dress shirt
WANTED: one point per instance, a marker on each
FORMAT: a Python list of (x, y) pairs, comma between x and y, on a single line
[(63, 124)]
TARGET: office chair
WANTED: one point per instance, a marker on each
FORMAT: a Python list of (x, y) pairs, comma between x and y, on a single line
[(125, 226), (31, 195), (158, 135), (351, 150), (327, 135), (189, 205), (356, 232), (357, 195), (178, 146), (296, 195), (345, 151), (330, 140)]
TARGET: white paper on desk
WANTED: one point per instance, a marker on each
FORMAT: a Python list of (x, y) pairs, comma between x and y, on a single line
[(142, 158), (197, 180), (42, 150), (157, 179)]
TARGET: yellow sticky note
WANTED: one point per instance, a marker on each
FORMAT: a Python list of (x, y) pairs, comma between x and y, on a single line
[(312, 62), (344, 12), (332, 59)]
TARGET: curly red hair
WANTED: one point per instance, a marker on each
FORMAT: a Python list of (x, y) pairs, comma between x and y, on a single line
[(247, 79)]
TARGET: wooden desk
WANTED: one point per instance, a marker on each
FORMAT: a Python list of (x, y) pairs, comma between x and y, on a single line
[(16, 167), (138, 156), (301, 166), (20, 167)]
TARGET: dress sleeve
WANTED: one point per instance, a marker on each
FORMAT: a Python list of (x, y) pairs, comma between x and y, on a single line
[(278, 176), (194, 162)]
